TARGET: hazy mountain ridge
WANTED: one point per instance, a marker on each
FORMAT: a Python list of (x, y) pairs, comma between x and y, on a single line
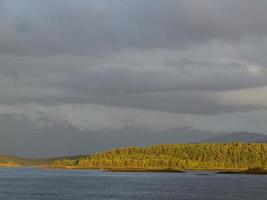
[(245, 137), (21, 136)]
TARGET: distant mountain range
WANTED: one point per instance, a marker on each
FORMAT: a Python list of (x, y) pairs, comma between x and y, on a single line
[(245, 137), (21, 136)]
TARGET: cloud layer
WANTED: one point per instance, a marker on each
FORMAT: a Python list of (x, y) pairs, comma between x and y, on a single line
[(175, 58)]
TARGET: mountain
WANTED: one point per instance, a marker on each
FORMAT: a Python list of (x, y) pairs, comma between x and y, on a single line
[(45, 137), (21, 136), (246, 137)]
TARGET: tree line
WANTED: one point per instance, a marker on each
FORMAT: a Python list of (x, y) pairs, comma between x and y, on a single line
[(176, 156)]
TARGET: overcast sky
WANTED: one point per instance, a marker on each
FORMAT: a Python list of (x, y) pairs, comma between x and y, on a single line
[(154, 64)]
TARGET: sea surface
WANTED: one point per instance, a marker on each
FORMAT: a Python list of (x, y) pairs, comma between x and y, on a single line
[(46, 184)]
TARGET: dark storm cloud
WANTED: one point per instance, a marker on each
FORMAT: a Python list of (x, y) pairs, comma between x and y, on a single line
[(167, 55), (97, 26), (58, 80)]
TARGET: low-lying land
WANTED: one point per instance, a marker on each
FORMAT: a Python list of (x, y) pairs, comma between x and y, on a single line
[(13, 161)]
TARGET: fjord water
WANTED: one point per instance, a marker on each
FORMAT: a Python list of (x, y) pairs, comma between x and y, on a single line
[(46, 184)]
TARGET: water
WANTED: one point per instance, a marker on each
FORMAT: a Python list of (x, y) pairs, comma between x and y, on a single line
[(37, 184)]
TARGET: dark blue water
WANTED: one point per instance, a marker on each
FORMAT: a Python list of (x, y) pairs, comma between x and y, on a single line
[(35, 184)]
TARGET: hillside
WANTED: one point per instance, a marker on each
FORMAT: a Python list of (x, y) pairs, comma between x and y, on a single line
[(175, 156)]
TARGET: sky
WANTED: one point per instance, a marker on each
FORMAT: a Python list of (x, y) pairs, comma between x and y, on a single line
[(152, 64)]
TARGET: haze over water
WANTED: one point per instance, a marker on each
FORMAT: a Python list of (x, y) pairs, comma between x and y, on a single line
[(37, 184)]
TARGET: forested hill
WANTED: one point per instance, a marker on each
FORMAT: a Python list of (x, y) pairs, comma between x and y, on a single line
[(175, 156)]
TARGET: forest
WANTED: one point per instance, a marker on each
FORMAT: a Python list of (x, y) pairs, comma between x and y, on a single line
[(174, 156)]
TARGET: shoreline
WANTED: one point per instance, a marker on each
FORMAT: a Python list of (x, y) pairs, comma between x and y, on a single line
[(155, 170), (253, 171)]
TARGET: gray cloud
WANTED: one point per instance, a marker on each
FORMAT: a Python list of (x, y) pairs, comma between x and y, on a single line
[(183, 56), (89, 27), (146, 80)]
